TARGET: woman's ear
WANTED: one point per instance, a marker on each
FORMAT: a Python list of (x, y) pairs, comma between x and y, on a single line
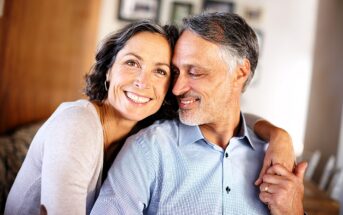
[(108, 75)]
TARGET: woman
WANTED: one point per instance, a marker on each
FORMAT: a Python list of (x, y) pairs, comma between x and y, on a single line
[(128, 88)]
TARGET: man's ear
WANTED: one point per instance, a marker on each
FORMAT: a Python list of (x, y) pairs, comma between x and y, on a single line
[(242, 73)]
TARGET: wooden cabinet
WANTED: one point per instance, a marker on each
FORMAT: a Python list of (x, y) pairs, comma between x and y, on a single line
[(46, 47)]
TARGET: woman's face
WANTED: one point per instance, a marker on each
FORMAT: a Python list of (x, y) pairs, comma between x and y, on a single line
[(140, 76)]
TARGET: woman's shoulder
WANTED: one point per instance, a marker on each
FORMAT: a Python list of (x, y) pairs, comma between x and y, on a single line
[(80, 111), (74, 126), (82, 105), (78, 116)]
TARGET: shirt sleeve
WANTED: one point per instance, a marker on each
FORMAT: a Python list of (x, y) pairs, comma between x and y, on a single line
[(69, 159), (129, 182)]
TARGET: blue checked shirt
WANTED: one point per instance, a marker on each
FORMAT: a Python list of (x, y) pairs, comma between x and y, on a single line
[(170, 168)]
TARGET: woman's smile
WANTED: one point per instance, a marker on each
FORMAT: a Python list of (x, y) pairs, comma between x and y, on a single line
[(136, 98)]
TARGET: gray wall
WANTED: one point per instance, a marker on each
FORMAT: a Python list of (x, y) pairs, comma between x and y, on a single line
[(326, 93)]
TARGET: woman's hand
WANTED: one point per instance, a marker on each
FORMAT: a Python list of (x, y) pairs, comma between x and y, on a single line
[(280, 150)]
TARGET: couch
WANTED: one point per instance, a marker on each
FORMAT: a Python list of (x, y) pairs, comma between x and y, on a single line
[(13, 148)]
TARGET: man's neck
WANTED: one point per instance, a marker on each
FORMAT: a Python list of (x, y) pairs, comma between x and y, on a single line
[(221, 132)]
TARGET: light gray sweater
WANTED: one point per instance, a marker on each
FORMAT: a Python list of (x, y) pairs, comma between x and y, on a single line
[(63, 167)]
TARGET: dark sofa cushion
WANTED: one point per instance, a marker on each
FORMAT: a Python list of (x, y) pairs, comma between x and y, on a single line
[(13, 149)]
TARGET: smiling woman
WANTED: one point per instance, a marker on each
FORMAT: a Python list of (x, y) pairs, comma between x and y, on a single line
[(139, 79), (68, 158)]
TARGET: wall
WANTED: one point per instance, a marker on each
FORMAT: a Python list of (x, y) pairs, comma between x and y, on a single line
[(340, 144), (109, 15), (340, 161), (46, 48), (325, 107), (282, 82)]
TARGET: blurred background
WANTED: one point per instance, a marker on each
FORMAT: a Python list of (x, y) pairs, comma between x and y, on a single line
[(46, 48)]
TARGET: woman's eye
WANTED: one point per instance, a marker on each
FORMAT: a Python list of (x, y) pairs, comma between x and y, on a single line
[(132, 63), (161, 72)]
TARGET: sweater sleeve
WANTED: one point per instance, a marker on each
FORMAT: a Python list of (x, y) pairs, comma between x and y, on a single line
[(70, 154)]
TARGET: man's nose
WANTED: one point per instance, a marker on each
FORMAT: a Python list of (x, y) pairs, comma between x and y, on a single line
[(181, 85)]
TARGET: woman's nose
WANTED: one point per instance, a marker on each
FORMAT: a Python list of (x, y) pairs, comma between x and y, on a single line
[(142, 80)]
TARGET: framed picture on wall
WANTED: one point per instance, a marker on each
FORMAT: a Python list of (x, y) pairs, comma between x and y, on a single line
[(132, 10), (179, 11), (218, 6)]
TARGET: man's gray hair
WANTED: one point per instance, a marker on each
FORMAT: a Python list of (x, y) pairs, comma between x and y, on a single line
[(234, 36)]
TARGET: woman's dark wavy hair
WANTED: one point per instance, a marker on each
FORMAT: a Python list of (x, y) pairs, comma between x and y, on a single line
[(106, 56)]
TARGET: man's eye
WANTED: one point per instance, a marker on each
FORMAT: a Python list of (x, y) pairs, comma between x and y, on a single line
[(194, 74)]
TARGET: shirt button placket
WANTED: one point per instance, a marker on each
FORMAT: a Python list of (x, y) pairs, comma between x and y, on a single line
[(228, 189), (225, 173)]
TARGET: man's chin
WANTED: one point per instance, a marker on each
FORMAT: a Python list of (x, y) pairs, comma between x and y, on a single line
[(187, 119), (187, 122)]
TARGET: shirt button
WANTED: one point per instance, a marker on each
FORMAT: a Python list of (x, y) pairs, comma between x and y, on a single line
[(226, 154), (228, 189)]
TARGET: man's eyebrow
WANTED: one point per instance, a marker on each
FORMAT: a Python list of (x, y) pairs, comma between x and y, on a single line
[(193, 65)]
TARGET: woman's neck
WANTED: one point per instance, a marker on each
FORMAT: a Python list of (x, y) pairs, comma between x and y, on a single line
[(115, 127)]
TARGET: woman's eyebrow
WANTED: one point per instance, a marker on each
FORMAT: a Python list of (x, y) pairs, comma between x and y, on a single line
[(137, 56), (140, 58), (163, 64)]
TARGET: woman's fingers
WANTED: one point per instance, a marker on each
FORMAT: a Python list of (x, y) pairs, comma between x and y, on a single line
[(266, 164), (278, 169)]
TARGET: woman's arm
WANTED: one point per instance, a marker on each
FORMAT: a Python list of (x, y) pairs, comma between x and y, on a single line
[(280, 148), (69, 162)]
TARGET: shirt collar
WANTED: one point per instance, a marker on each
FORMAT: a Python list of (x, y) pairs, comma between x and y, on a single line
[(245, 131), (191, 134)]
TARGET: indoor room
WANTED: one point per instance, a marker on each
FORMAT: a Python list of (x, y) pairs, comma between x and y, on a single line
[(48, 47)]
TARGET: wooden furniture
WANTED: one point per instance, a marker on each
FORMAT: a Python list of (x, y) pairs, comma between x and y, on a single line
[(318, 202), (46, 47)]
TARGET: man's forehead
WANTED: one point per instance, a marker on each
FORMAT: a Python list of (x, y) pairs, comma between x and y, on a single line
[(192, 46), (188, 36), (191, 40)]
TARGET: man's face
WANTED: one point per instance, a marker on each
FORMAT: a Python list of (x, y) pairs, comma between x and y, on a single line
[(203, 85)]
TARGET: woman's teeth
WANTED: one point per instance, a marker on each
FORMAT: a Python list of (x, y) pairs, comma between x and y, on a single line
[(136, 98)]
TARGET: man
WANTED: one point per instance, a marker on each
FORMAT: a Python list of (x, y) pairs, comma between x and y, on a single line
[(207, 163)]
